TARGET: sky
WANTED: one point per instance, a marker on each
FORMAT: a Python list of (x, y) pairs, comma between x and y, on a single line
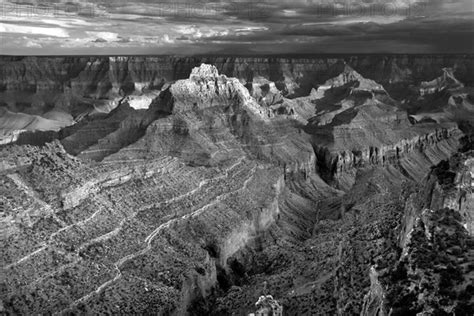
[(235, 27)]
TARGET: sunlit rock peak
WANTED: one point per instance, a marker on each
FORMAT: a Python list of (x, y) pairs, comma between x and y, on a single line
[(446, 81), (206, 88)]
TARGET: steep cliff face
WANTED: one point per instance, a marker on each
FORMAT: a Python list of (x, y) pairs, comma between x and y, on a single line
[(212, 117), (357, 124), (206, 88), (336, 165), (295, 75), (450, 186), (371, 251), (412, 69), (431, 274)]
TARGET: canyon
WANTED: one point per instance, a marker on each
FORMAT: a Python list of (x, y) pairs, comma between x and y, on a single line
[(195, 185)]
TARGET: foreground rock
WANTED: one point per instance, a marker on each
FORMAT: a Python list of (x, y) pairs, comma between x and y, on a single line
[(431, 273)]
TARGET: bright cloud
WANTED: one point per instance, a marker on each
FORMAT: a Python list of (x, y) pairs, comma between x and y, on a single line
[(108, 36), (264, 26), (33, 30)]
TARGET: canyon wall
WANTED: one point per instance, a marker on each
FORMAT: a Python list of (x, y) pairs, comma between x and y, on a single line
[(99, 77), (201, 183), (215, 195), (340, 167), (435, 239)]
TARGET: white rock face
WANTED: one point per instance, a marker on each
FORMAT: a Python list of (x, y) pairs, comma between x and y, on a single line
[(207, 88), (204, 72), (141, 102)]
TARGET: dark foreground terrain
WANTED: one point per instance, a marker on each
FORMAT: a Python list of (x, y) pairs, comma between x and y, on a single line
[(171, 186)]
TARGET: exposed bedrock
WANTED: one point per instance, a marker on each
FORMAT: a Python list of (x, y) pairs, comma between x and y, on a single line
[(435, 246), (265, 92), (446, 81), (357, 124), (89, 237), (213, 118), (83, 86), (215, 199), (450, 185), (340, 256), (435, 146), (98, 136), (156, 223), (207, 88), (98, 76)]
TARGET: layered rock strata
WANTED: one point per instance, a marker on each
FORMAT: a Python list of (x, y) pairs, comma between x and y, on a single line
[(149, 228), (218, 199), (431, 272)]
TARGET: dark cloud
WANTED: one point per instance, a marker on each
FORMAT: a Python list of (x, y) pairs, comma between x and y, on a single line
[(245, 26), (99, 40), (123, 40), (416, 35)]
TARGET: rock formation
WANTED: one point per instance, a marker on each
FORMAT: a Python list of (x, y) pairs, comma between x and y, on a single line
[(446, 81), (13, 124), (352, 78), (357, 123), (102, 227), (444, 99), (205, 185), (267, 305), (430, 274)]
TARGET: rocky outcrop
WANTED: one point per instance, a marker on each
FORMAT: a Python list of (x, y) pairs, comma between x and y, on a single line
[(212, 117), (433, 274), (13, 124), (357, 124), (354, 80), (444, 99), (265, 92), (450, 186), (348, 160), (435, 242), (446, 81), (374, 301), (98, 238), (160, 219), (206, 88)]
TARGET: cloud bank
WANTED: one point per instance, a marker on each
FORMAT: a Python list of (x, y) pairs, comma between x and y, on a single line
[(236, 26)]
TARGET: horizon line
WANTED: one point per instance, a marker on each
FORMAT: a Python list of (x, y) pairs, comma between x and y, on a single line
[(239, 55)]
